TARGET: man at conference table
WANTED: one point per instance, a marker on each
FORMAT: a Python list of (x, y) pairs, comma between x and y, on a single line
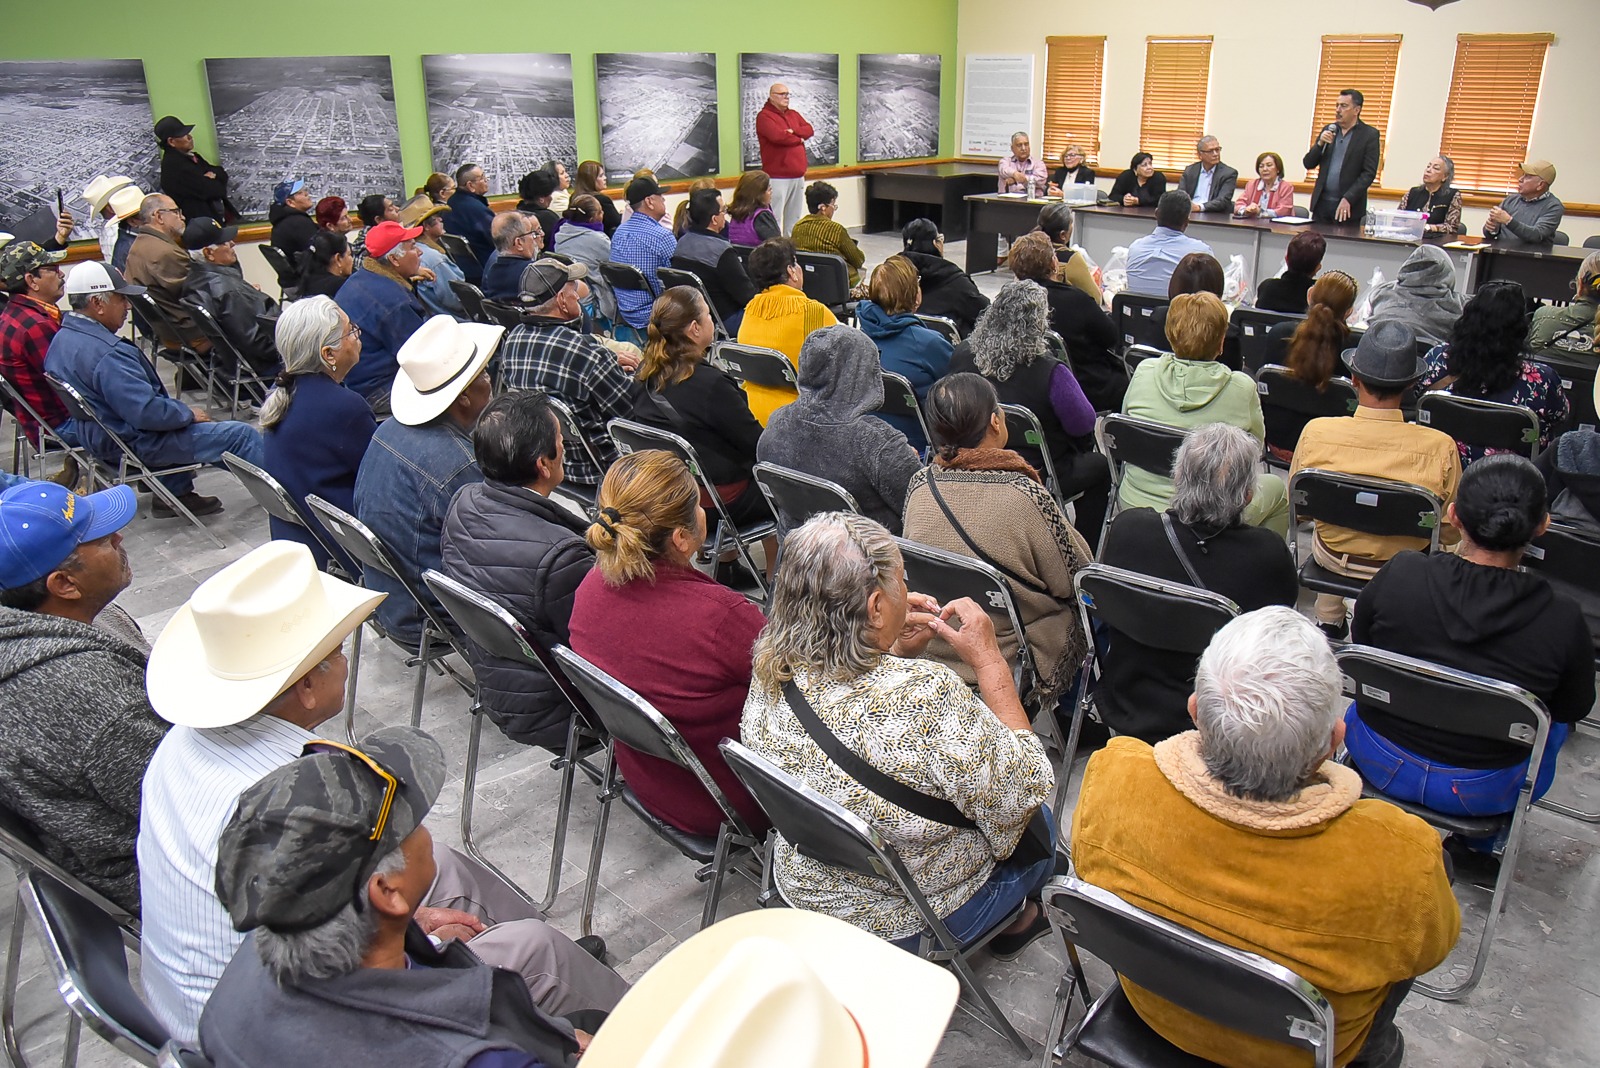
[(1345, 154)]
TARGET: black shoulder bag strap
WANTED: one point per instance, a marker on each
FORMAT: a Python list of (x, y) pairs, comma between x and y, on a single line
[(1025, 583), (1177, 550)]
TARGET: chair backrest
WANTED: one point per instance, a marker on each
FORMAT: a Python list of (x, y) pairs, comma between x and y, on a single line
[(674, 276), (22, 848), (1376, 506), (1282, 392), (1561, 238), (471, 298), (573, 433), (1484, 424), (1023, 426), (1566, 553), (281, 262), (1134, 355), (827, 277), (1134, 316), (1058, 348), (459, 249), (82, 412), (1255, 327), (1442, 699), (796, 496), (354, 537), (756, 365), (1227, 986), (941, 325), (85, 949), (630, 436), (1128, 441), (273, 498), (499, 313), (156, 316), (620, 276), (1592, 241), (1151, 611), (900, 399), (176, 1055), (946, 576)]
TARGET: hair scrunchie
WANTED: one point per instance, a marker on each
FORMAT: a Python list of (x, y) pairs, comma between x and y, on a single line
[(613, 516)]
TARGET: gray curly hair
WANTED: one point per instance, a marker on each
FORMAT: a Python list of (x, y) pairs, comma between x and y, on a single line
[(1010, 334)]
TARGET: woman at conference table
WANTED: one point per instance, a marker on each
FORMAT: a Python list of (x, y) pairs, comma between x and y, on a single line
[(1141, 185), (1437, 197), (1268, 195), (1074, 170)]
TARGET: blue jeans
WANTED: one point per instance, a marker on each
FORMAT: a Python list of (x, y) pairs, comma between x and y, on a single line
[(1010, 884), (210, 441), (1406, 776)]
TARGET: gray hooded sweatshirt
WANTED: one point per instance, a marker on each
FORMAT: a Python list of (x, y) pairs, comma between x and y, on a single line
[(1422, 297), (830, 432)]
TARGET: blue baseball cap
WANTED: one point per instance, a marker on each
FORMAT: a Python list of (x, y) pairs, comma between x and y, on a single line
[(41, 524), (287, 188)]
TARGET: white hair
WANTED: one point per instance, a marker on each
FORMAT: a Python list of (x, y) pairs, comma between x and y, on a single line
[(1214, 475), (306, 327), (1200, 145), (335, 946), (1268, 696)]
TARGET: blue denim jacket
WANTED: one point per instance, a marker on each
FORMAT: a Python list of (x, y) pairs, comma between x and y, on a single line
[(403, 491), (388, 314)]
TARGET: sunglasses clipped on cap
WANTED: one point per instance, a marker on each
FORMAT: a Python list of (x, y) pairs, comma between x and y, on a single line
[(391, 783)]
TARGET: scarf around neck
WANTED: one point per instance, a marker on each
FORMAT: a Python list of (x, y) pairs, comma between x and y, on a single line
[(988, 460), (1331, 792)]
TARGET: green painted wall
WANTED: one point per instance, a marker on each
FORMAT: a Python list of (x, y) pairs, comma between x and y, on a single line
[(173, 37)]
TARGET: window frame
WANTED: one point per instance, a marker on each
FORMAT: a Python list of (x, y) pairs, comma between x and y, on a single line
[(1073, 122), (1487, 107), (1170, 136)]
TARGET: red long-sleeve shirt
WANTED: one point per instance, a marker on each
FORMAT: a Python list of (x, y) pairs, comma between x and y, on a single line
[(782, 135)]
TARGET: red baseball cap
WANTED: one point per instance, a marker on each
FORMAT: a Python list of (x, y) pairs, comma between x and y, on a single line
[(382, 238)]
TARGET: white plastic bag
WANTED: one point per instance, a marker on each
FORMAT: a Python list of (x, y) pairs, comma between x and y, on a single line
[(1094, 268), (1235, 282), (1358, 318), (1114, 276)]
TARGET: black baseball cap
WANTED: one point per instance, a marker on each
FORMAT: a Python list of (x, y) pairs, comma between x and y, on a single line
[(641, 189), (205, 232), (171, 126)]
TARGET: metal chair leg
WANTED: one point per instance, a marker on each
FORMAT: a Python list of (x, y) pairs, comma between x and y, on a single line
[(422, 674), (469, 784), (69, 1051), (719, 871), (1498, 898), (172, 501), (8, 995), (350, 684), (558, 845), (990, 1012), (592, 879)]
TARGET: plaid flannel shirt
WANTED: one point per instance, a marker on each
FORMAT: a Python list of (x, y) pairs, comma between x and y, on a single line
[(26, 329)]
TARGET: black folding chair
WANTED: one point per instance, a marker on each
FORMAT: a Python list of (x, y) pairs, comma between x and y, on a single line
[(899, 398), (1482, 424), (278, 503), (670, 277), (471, 298), (1443, 701), (283, 265), (493, 632), (165, 339), (1134, 315), (756, 365), (26, 453), (1377, 506), (827, 281), (623, 277), (1256, 345), (1226, 986), (630, 719), (1129, 441), (176, 1055), (1134, 355), (461, 254), (1023, 426), (795, 496), (229, 369), (574, 437), (129, 470), (1058, 349), (824, 830), (1284, 396), (501, 313), (941, 325)]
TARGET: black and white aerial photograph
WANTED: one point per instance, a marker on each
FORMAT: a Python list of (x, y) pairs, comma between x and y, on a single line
[(508, 112), (658, 110), (897, 106), (813, 81), (326, 119), (66, 121)]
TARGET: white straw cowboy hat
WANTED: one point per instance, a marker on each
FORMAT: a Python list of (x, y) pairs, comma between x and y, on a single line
[(437, 362), (98, 191), (125, 202), (780, 988), (247, 633)]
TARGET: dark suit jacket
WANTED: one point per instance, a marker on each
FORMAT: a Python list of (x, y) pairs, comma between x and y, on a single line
[(1359, 170), (1224, 183)]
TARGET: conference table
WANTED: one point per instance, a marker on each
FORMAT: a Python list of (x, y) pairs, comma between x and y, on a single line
[(896, 195), (1545, 271)]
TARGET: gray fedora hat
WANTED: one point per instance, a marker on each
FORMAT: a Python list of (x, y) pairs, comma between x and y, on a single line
[(1386, 355)]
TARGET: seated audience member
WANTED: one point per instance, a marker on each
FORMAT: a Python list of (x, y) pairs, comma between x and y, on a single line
[(1312, 348), (1423, 296), (779, 316), (642, 242), (844, 640), (1141, 185), (832, 430), (680, 640), (157, 261), (561, 199), (1152, 258), (438, 188), (1009, 350), (1020, 172), (470, 217), (536, 189), (1484, 360), (1199, 272), (331, 215), (1531, 215), (122, 387), (434, 292), (518, 237), (372, 209), (981, 500), (1436, 197), (1303, 259), (98, 193), (419, 459), (1571, 469), (548, 351), (705, 250), (1338, 295), (326, 265), (1567, 328), (1248, 830), (290, 216), (1055, 222), (947, 290), (72, 701), (1475, 610), (1377, 442), (124, 205), (1187, 387), (382, 303), (325, 977), (29, 321), (1074, 170), (750, 217), (680, 214), (701, 402), (216, 283), (1209, 182), (241, 708), (506, 539), (591, 178), (817, 232), (583, 239), (315, 431), (1142, 690), (1269, 194), (905, 345)]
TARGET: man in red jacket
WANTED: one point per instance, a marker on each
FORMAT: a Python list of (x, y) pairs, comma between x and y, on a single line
[(783, 133)]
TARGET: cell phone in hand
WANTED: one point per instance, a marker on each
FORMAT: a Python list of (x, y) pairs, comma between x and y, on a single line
[(61, 202)]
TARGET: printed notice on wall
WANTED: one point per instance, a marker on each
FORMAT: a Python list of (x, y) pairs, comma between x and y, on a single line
[(998, 102)]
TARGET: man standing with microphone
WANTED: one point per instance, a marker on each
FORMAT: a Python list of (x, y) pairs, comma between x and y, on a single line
[(1346, 157), (782, 133)]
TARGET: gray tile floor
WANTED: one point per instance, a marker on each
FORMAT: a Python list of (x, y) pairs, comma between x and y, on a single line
[(1538, 1004)]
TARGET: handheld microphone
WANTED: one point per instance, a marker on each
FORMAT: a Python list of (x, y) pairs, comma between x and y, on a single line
[(1332, 128)]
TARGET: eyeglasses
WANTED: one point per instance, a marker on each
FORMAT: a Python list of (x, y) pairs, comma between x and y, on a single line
[(391, 784), (354, 331), (169, 211)]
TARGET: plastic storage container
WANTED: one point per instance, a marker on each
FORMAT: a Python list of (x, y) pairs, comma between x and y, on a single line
[(1395, 225), (1079, 195)]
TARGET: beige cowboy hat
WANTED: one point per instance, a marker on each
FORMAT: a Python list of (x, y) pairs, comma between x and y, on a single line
[(98, 191), (125, 202), (247, 633), (419, 209), (437, 362), (780, 988)]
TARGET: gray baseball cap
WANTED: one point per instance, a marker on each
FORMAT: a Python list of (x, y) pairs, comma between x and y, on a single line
[(306, 838), (543, 279)]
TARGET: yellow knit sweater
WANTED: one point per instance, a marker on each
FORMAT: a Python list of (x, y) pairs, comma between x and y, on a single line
[(779, 317)]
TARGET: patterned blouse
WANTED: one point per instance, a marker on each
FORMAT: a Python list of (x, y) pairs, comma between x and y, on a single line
[(1536, 387), (917, 722)]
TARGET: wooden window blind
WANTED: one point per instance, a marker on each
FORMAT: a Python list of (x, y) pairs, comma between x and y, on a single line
[(1073, 71), (1489, 114), (1177, 76), (1365, 63)]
